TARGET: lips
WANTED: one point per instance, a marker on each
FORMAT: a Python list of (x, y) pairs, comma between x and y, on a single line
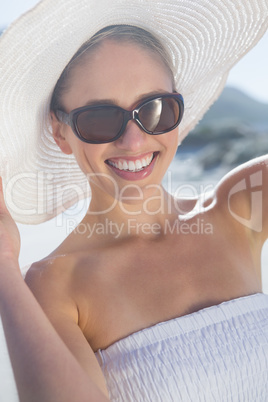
[(131, 165), (133, 168)]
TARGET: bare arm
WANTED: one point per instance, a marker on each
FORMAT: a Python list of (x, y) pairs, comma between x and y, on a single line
[(44, 368), (246, 191), (52, 286)]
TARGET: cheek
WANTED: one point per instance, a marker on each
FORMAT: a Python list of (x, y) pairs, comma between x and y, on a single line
[(78, 148), (171, 140), (177, 137), (88, 156)]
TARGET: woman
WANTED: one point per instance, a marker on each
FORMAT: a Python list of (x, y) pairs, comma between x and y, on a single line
[(148, 309)]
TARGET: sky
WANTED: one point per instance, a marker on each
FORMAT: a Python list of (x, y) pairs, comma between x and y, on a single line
[(249, 75)]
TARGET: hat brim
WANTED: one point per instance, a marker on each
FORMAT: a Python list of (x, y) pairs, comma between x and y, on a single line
[(205, 39)]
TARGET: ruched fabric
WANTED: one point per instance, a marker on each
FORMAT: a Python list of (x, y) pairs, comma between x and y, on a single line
[(219, 353)]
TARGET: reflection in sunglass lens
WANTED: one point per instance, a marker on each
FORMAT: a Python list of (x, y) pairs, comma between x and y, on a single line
[(159, 114), (100, 124), (150, 114)]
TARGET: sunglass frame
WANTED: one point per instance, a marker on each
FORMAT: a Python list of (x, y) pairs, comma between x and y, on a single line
[(72, 117)]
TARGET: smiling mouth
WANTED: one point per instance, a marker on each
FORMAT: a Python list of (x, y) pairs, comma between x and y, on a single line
[(130, 165)]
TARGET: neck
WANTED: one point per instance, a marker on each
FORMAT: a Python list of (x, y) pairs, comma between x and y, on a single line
[(134, 216)]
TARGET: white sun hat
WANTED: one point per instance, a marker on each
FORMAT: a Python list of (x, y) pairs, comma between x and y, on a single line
[(205, 39)]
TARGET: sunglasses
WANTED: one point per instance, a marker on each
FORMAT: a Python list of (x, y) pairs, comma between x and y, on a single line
[(100, 124)]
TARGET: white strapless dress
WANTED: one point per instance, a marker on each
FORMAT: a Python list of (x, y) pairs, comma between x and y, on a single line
[(218, 354)]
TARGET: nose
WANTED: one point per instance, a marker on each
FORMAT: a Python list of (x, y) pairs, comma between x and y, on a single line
[(133, 138)]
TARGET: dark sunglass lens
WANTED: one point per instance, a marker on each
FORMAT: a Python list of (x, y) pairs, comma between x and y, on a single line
[(100, 125), (160, 114)]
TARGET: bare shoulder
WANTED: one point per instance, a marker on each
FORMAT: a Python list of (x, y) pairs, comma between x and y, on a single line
[(52, 277), (61, 282), (50, 282), (53, 283)]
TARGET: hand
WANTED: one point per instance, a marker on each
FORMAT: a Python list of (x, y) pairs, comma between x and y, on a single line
[(9, 234)]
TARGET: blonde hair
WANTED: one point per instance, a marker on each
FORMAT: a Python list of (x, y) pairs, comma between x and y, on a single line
[(121, 33)]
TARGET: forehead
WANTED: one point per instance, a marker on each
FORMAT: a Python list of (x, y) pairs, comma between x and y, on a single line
[(117, 70), (118, 49)]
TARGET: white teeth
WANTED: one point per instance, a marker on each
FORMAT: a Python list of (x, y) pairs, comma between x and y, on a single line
[(144, 163), (131, 165), (138, 165), (148, 160)]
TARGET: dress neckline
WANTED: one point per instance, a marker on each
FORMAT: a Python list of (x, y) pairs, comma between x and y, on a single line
[(189, 322)]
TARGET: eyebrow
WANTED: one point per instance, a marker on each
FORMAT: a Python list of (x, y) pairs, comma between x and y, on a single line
[(113, 102)]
